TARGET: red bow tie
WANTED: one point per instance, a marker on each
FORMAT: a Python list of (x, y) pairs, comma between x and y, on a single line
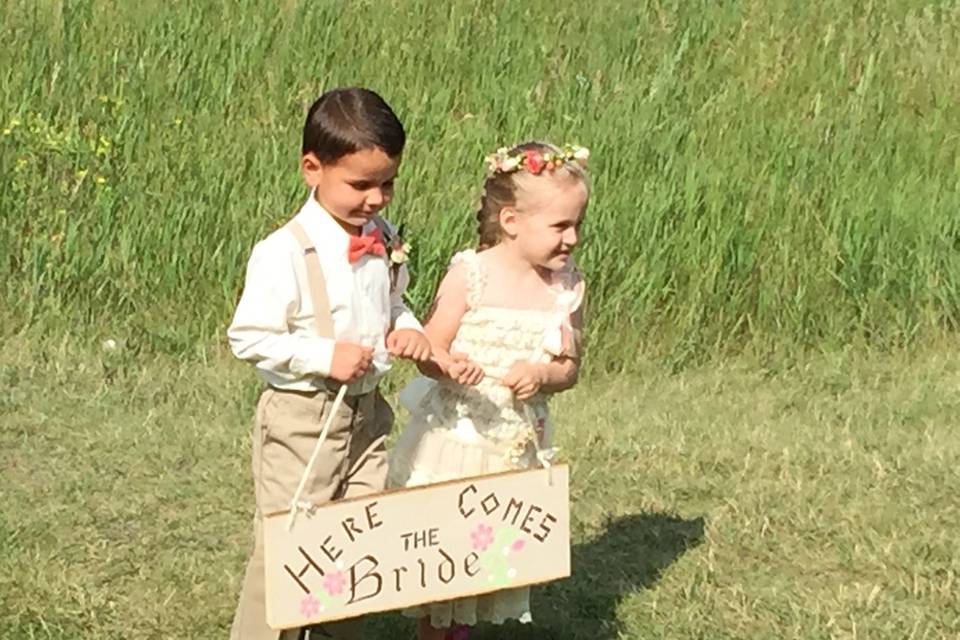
[(362, 245)]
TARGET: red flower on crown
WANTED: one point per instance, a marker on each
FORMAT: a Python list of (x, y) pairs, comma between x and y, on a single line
[(533, 161)]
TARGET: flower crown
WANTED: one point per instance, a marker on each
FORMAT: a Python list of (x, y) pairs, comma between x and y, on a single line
[(503, 161)]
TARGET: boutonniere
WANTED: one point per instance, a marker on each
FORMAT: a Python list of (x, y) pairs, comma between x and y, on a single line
[(398, 252)]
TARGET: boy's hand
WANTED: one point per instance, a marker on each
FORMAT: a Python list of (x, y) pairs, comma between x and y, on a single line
[(524, 379), (463, 370), (350, 361), (408, 343)]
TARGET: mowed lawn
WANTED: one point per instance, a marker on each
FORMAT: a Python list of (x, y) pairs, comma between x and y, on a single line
[(731, 501)]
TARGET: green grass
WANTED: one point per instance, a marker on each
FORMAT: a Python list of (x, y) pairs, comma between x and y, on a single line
[(772, 180), (769, 175), (735, 501), (776, 193)]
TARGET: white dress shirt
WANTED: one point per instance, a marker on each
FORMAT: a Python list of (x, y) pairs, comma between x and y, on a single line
[(273, 327)]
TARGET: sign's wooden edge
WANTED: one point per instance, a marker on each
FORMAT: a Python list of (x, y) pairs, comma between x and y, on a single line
[(421, 487)]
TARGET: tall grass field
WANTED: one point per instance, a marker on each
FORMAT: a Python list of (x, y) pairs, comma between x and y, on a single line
[(767, 173), (764, 443)]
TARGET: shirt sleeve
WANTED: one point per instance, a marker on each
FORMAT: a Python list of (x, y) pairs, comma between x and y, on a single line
[(400, 315), (260, 332)]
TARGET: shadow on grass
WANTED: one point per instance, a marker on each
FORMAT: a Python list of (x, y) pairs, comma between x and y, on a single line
[(630, 555)]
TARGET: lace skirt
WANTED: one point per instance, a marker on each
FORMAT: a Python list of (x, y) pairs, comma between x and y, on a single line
[(425, 455)]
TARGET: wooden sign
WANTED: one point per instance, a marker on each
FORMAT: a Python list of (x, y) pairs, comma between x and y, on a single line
[(412, 546)]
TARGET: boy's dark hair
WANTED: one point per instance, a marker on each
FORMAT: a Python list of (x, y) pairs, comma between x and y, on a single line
[(344, 121)]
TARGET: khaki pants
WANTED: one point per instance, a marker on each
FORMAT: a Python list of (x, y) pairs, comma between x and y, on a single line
[(351, 463)]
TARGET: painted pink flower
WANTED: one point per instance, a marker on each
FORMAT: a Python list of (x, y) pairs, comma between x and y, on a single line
[(309, 606), (482, 537), (333, 582), (533, 161), (518, 545)]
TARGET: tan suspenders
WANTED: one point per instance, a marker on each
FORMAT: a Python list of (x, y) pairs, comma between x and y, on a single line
[(322, 318)]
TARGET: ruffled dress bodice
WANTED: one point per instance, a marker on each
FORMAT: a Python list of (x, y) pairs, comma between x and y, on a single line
[(494, 337)]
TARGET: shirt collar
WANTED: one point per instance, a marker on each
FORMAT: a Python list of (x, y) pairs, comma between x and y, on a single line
[(321, 227)]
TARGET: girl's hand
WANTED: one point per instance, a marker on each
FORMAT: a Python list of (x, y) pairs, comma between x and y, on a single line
[(408, 343), (463, 370), (524, 379)]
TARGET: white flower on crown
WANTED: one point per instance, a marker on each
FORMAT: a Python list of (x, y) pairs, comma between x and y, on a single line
[(509, 164)]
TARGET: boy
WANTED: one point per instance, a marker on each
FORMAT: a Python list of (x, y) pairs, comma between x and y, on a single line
[(320, 308)]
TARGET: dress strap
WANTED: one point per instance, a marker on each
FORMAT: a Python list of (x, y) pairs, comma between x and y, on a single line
[(476, 278)]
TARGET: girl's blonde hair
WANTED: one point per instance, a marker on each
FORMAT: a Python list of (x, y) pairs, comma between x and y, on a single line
[(500, 190)]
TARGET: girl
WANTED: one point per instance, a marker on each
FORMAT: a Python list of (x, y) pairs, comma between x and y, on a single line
[(505, 330)]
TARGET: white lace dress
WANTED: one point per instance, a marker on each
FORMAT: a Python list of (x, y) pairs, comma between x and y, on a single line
[(460, 431)]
